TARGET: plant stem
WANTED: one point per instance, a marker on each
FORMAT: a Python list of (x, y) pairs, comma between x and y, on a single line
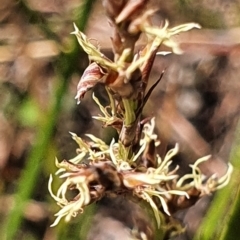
[(129, 112)]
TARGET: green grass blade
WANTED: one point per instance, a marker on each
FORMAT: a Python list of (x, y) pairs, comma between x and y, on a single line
[(29, 176)]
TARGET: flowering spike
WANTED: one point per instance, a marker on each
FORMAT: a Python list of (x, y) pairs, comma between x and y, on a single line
[(100, 169)]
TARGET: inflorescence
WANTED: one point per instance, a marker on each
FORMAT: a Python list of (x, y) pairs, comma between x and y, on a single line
[(131, 165)]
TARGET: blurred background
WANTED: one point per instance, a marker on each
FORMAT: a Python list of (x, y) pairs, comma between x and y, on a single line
[(197, 104)]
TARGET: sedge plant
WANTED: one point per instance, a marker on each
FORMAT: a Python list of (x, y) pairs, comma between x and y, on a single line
[(130, 165)]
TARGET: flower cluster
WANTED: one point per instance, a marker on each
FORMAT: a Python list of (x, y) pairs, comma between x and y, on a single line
[(99, 169), (131, 165)]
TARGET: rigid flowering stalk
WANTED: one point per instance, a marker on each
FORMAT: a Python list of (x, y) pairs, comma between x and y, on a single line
[(131, 165)]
